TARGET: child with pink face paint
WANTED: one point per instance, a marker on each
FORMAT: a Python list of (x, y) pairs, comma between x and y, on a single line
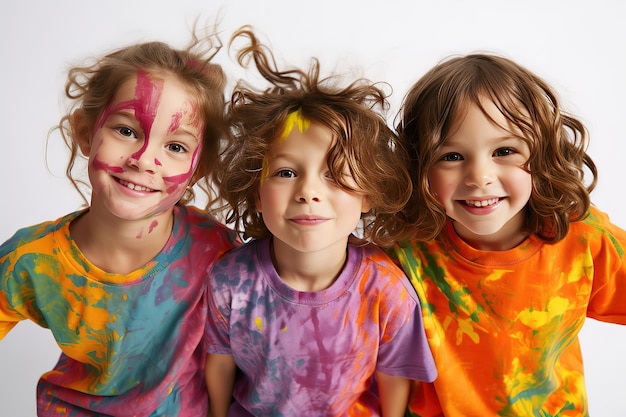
[(120, 283), (318, 321)]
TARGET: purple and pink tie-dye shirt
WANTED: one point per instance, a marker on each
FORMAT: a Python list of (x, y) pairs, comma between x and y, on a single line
[(315, 353)]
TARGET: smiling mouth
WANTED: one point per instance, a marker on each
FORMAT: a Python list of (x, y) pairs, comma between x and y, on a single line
[(308, 220), (134, 187), (482, 203)]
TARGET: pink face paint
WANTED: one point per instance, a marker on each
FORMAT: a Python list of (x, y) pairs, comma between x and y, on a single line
[(105, 167), (146, 103), (153, 224), (157, 162), (175, 123), (196, 155)]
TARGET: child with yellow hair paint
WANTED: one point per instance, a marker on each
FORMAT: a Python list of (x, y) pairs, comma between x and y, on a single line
[(310, 313)]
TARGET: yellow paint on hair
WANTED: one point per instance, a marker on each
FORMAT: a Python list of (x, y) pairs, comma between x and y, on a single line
[(264, 171), (295, 119)]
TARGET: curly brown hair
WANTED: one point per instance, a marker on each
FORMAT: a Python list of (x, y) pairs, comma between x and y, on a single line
[(558, 142), (91, 87), (363, 144)]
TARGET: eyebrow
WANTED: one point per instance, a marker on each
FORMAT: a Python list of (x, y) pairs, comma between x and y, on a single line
[(176, 127)]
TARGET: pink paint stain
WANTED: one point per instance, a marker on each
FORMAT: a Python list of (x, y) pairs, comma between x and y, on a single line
[(153, 225), (175, 123), (106, 167), (146, 103)]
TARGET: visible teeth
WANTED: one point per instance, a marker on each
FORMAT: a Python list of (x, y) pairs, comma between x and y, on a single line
[(481, 203), (134, 186)]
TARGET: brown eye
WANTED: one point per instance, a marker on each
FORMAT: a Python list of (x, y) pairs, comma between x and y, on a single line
[(504, 152), (286, 173), (126, 131), (176, 147), (452, 157)]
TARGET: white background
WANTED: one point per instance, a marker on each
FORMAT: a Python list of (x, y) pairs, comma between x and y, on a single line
[(577, 46)]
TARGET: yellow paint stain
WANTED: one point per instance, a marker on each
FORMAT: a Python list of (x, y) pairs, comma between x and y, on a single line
[(259, 323), (284, 328), (295, 119), (581, 267), (264, 171), (496, 275), (535, 319), (466, 328)]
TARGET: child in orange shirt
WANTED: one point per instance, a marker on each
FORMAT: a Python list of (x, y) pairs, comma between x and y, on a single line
[(504, 248)]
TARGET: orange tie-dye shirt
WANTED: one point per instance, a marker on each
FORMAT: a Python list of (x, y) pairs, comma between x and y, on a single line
[(503, 326)]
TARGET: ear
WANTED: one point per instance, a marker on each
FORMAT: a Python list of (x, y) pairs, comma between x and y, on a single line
[(81, 131), (257, 203), (366, 205)]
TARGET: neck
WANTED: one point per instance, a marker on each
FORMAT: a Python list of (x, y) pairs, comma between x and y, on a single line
[(508, 237), (308, 271), (121, 246)]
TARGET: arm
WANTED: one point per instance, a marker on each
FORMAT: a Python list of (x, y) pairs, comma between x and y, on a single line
[(394, 394), (219, 372)]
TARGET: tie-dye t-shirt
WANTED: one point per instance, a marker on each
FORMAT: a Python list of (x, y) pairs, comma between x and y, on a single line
[(503, 326), (314, 353), (130, 343)]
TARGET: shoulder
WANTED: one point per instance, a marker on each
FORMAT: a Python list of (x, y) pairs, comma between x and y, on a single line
[(205, 227), (30, 235), (238, 270), (381, 265), (597, 226), (248, 256)]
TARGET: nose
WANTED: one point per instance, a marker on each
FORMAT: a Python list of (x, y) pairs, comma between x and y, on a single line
[(144, 159), (309, 190), (479, 173)]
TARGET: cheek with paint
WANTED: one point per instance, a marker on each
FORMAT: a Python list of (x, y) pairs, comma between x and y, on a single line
[(97, 164), (176, 184)]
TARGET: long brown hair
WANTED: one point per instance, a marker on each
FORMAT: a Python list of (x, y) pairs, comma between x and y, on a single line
[(558, 142)]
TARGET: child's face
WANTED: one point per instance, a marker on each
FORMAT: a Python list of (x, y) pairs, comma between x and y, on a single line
[(479, 179), (301, 205), (144, 148)]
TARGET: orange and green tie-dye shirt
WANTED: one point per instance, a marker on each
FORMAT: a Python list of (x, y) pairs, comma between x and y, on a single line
[(131, 344), (503, 326)]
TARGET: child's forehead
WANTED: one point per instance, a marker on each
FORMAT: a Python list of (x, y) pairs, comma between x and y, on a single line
[(294, 120), (297, 132), (490, 110), (154, 91)]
